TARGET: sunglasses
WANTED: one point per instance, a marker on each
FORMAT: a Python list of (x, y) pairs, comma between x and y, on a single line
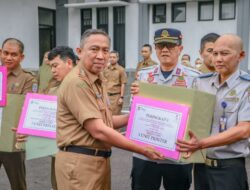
[(169, 46)]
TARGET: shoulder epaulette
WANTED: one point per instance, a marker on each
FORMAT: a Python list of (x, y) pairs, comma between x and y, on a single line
[(207, 75), (30, 72), (245, 77), (148, 68)]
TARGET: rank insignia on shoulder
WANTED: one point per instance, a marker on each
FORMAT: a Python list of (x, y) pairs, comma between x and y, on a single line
[(207, 75), (156, 70), (245, 77)]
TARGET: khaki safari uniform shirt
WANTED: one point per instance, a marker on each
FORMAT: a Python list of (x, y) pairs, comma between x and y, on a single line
[(235, 92), (204, 69), (82, 96), (181, 76), (21, 82), (115, 76), (143, 64)]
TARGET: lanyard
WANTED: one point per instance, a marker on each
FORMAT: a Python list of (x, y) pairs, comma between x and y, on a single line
[(223, 118)]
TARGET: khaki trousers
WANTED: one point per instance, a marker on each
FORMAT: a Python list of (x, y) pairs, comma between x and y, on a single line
[(115, 107), (76, 171)]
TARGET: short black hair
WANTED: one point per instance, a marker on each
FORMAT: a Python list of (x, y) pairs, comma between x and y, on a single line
[(64, 52), (18, 42), (149, 46), (115, 52), (210, 37), (187, 56)]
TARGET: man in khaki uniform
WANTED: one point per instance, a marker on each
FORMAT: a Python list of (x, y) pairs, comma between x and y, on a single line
[(19, 81), (206, 50), (45, 77), (146, 52), (116, 80), (85, 124)]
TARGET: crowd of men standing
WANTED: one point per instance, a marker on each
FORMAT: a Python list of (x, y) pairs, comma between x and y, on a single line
[(90, 98)]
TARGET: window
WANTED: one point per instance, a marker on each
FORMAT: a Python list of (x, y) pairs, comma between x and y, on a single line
[(159, 13), (86, 19), (206, 11), (227, 9), (47, 31), (102, 19), (178, 12)]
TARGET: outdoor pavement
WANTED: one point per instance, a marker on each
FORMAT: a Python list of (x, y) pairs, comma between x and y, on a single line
[(38, 172)]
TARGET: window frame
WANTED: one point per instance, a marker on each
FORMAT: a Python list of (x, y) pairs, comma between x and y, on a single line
[(85, 27), (155, 16), (176, 5), (220, 9), (201, 3)]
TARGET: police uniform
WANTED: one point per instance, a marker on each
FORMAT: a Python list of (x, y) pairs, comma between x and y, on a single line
[(19, 81), (115, 76), (225, 165), (146, 174), (83, 161)]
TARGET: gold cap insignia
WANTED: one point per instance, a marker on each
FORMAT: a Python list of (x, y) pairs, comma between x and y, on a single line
[(164, 33)]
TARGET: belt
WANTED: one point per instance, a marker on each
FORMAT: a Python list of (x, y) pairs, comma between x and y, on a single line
[(87, 151), (113, 94), (224, 162)]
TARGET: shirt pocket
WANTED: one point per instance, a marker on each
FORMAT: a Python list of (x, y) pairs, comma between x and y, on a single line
[(232, 107)]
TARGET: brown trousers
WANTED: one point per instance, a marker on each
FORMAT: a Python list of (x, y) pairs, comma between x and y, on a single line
[(115, 107), (14, 164), (82, 172)]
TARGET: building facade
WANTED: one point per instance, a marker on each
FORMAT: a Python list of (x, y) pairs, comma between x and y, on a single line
[(43, 24)]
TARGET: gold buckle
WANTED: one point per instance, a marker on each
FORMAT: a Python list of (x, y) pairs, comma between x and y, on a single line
[(96, 152)]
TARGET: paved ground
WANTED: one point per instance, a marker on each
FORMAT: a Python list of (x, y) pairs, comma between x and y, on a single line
[(38, 172)]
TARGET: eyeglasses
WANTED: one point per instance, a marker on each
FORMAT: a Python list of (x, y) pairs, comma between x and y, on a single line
[(169, 46)]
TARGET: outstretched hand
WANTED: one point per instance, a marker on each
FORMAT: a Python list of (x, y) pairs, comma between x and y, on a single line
[(153, 154), (190, 146)]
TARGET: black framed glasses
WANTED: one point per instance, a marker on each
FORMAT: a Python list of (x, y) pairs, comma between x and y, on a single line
[(169, 46)]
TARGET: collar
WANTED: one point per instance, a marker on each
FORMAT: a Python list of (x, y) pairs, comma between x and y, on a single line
[(178, 70), (16, 71), (229, 82), (113, 66), (146, 62), (92, 77)]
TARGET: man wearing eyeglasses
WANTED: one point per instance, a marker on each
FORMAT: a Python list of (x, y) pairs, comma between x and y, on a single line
[(147, 174)]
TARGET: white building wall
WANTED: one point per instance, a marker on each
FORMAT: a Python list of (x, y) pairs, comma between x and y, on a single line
[(131, 35), (193, 30), (19, 19)]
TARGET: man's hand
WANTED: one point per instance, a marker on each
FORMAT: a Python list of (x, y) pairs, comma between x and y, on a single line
[(190, 146), (120, 101), (153, 154), (134, 89), (19, 137)]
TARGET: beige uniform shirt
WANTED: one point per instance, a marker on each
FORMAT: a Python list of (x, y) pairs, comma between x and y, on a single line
[(144, 64), (204, 69), (115, 76), (20, 81), (81, 96)]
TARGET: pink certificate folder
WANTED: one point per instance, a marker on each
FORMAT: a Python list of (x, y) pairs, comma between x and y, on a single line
[(154, 124), (3, 91), (46, 117)]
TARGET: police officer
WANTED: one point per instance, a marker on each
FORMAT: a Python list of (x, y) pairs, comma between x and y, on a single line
[(85, 124), (147, 174), (227, 146), (146, 52), (206, 50), (19, 81), (116, 79)]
